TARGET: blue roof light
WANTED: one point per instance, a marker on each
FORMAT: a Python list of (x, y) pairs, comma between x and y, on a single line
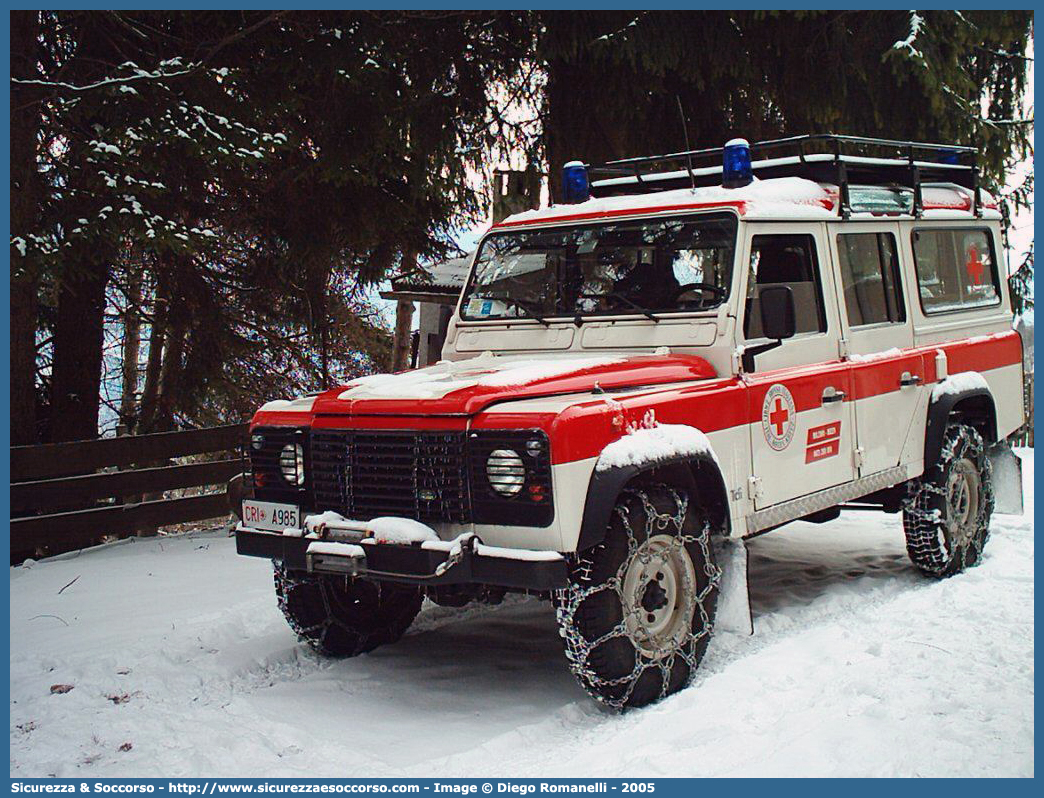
[(575, 186), (736, 170)]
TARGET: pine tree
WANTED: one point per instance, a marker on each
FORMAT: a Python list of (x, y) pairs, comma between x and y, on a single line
[(614, 79), (265, 168)]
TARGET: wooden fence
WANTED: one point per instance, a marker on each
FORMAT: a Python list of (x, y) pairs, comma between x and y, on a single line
[(61, 502)]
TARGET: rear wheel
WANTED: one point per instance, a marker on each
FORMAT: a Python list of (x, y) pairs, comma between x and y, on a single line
[(340, 616), (637, 616), (947, 512)]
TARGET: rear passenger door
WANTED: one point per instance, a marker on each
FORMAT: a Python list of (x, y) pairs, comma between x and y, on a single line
[(801, 430), (887, 378)]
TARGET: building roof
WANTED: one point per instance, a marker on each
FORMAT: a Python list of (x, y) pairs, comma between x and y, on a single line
[(437, 282)]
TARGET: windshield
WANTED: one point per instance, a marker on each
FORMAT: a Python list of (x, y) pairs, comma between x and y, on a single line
[(634, 267)]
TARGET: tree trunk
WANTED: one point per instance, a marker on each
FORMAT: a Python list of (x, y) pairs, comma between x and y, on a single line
[(150, 388), (26, 196), (23, 359), (170, 378), (131, 344), (402, 342), (78, 339)]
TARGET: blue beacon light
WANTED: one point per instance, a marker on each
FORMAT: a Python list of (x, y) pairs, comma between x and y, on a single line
[(736, 170), (575, 186)]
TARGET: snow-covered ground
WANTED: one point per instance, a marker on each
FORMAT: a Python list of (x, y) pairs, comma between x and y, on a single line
[(859, 666)]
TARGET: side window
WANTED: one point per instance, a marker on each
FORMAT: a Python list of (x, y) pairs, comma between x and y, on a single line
[(788, 260), (870, 276), (956, 269)]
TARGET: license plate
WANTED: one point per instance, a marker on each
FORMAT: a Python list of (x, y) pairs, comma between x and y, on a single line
[(270, 515)]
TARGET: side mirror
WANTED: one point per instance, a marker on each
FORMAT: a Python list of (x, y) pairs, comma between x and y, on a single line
[(778, 321), (777, 312)]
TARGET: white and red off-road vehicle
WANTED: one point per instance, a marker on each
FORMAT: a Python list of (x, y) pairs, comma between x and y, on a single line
[(680, 357)]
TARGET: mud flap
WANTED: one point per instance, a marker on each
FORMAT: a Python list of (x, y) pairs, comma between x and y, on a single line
[(733, 614), (1007, 479)]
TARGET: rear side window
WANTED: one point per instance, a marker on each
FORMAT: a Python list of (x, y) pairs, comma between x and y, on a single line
[(870, 275), (956, 269), (788, 260)]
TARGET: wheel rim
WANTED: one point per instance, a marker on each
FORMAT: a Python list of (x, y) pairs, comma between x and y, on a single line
[(659, 596), (962, 499)]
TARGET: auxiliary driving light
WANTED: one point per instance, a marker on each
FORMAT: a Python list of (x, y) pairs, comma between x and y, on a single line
[(291, 463)]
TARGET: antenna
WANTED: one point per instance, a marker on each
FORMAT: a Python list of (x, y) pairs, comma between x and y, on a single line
[(688, 149)]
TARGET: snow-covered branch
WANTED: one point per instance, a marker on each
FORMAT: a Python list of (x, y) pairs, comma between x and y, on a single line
[(140, 74), (908, 44)]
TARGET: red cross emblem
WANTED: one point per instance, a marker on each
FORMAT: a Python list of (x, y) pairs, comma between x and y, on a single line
[(975, 266), (778, 417)]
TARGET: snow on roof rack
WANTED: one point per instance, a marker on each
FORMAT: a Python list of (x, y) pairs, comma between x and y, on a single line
[(824, 158)]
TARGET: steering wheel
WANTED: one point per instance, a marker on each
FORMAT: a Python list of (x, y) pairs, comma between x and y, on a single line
[(683, 289), (719, 293)]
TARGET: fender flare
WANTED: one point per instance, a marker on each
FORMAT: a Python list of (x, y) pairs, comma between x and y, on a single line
[(941, 408), (605, 486)]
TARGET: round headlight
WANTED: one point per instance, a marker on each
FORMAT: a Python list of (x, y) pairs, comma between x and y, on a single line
[(291, 463), (505, 471), (257, 441)]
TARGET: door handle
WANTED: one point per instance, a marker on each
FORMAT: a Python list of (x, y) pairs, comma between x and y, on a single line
[(831, 395), (908, 380)]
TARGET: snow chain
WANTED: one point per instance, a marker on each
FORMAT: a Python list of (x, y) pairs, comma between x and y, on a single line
[(284, 585), (924, 524), (568, 601)]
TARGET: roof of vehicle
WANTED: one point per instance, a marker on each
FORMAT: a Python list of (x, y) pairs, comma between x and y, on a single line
[(776, 199)]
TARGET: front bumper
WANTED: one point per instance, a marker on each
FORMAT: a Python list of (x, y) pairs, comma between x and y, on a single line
[(469, 563)]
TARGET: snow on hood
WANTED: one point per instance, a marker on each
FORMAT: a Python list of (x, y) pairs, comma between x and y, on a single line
[(302, 404), (435, 382), (467, 386)]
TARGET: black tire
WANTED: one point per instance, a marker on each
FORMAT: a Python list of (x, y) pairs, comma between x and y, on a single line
[(636, 618), (947, 511), (343, 617)]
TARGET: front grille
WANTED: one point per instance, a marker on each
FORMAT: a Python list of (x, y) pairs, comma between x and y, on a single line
[(364, 474)]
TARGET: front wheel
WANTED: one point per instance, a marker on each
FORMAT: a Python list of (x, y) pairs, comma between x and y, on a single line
[(947, 512), (637, 616), (342, 616)]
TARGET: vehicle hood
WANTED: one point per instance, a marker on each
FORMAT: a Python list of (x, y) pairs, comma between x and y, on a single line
[(465, 387)]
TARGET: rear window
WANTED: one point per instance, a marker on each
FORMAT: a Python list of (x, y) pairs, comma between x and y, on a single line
[(956, 269)]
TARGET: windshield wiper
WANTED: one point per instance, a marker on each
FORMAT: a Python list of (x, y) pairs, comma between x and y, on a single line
[(626, 300), (524, 304)]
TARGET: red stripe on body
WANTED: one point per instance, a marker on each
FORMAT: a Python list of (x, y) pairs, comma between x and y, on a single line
[(583, 430)]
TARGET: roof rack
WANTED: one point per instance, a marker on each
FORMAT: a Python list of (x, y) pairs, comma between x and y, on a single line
[(824, 158)]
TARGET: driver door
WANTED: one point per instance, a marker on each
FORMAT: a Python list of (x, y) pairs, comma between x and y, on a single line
[(801, 432)]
